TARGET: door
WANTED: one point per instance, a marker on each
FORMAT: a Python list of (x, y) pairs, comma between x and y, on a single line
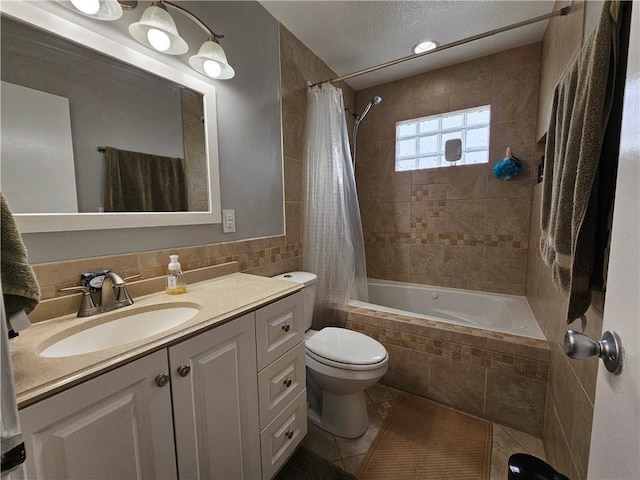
[(117, 426), (215, 403), (615, 436)]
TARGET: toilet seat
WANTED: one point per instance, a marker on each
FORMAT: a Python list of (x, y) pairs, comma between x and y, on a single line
[(345, 349)]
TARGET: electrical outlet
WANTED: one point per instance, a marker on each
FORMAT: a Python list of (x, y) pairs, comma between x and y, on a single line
[(228, 221)]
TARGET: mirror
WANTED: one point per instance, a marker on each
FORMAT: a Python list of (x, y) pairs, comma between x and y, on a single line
[(453, 150), (172, 114)]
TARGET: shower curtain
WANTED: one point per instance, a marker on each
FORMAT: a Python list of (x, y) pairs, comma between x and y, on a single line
[(333, 238)]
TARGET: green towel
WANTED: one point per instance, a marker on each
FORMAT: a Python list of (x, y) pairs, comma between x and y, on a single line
[(568, 220), (19, 285)]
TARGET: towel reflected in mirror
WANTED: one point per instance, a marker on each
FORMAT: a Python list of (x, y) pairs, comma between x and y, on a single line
[(140, 182)]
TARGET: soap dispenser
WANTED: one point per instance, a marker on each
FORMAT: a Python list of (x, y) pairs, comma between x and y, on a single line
[(176, 282)]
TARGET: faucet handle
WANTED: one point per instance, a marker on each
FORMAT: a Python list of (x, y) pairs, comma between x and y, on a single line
[(80, 288), (87, 305), (138, 275)]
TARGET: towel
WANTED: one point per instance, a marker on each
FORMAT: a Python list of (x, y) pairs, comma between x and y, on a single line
[(139, 182), (581, 106), (19, 285), (11, 441)]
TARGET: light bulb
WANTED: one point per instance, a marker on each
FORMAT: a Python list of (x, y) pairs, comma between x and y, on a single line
[(88, 7), (158, 39), (211, 68), (425, 46)]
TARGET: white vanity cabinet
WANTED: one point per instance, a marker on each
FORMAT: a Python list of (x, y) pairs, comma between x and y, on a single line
[(203, 408), (117, 425)]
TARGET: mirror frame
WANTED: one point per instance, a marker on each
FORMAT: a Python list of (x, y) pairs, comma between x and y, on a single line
[(29, 13)]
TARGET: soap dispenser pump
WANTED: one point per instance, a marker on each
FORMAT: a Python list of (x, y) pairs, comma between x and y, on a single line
[(176, 282)]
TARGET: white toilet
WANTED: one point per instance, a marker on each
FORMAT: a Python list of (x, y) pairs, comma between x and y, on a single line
[(341, 364)]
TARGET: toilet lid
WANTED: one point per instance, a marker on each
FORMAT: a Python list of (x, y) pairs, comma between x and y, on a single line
[(346, 346)]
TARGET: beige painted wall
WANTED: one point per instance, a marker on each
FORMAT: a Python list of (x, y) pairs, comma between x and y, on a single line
[(453, 226)]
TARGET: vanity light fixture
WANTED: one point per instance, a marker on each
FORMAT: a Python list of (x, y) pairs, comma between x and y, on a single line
[(425, 46), (99, 9), (157, 30)]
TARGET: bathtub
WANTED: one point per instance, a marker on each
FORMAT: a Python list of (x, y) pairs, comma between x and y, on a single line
[(489, 311)]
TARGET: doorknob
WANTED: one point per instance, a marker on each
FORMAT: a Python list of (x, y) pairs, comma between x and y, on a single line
[(609, 349)]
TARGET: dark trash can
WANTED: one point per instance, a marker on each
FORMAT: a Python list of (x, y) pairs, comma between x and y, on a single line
[(527, 467)]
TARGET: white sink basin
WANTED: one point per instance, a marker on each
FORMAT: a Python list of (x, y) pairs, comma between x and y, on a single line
[(120, 331)]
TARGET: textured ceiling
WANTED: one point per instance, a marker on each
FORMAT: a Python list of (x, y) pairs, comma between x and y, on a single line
[(354, 35)]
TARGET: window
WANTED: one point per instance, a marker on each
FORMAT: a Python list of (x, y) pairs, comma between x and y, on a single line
[(420, 142)]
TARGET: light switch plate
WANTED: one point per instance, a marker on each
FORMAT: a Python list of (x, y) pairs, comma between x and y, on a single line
[(228, 221)]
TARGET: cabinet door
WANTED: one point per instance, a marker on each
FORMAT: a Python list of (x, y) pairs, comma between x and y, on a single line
[(116, 426), (215, 401)]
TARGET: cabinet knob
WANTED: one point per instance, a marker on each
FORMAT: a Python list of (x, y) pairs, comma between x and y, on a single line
[(289, 434), (184, 369), (286, 327), (162, 379), (287, 382)]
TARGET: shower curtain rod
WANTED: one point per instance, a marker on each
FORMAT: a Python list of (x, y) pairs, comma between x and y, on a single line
[(556, 13)]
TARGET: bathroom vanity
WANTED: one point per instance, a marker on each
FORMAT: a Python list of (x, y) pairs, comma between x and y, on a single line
[(221, 396)]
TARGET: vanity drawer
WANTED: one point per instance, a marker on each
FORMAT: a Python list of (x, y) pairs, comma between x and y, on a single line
[(280, 383), (279, 327), (283, 435)]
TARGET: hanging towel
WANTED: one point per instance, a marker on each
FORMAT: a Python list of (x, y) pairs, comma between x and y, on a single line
[(139, 182), (19, 284), (13, 451), (581, 107)]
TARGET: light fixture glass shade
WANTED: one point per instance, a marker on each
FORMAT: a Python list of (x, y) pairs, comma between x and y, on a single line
[(156, 18), (211, 60), (425, 46), (108, 10)]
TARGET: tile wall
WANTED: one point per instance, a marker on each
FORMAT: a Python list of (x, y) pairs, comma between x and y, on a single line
[(454, 226), (572, 383), (496, 376)]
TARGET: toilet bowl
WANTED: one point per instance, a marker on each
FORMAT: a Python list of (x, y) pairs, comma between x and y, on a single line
[(341, 364)]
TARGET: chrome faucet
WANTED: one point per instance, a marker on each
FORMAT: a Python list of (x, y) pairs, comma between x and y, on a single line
[(113, 295)]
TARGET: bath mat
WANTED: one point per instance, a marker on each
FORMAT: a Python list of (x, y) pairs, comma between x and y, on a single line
[(306, 465), (422, 440)]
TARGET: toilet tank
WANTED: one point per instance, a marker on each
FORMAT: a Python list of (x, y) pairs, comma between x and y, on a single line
[(309, 281)]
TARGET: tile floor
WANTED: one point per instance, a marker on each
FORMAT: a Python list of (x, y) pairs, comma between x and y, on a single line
[(348, 454)]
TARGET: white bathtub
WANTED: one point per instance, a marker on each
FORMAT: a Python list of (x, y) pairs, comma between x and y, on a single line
[(488, 311)]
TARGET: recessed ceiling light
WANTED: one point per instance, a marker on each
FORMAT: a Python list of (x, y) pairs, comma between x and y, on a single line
[(425, 46)]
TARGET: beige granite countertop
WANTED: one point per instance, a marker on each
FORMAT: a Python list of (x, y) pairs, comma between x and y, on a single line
[(219, 300)]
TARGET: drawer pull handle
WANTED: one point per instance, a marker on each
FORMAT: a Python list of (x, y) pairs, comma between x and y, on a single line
[(162, 379), (287, 382), (289, 434), (184, 369), (286, 327)]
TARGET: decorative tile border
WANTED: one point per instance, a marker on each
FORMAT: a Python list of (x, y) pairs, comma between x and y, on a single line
[(417, 236), (250, 255)]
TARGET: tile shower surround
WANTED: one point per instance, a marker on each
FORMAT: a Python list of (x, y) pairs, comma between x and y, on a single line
[(454, 226), (497, 376)]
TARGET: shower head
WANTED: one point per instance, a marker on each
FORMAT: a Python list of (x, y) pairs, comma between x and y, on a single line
[(374, 101)]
